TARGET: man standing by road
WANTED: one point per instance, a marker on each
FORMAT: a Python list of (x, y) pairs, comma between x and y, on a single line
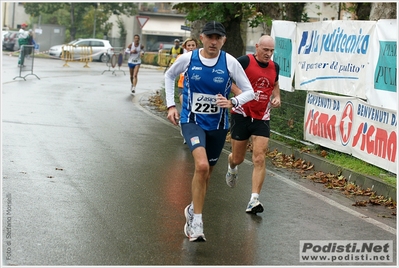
[(204, 122), (251, 120), (175, 51), (23, 39)]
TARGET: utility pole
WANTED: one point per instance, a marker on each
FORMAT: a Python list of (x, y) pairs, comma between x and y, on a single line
[(95, 18)]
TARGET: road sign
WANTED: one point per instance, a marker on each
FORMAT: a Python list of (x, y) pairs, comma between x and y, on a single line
[(186, 28), (142, 20)]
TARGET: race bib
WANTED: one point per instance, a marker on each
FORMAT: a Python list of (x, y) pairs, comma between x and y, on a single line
[(204, 104)]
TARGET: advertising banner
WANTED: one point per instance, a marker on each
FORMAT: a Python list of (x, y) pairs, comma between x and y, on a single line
[(284, 34), (334, 56), (350, 125), (384, 60)]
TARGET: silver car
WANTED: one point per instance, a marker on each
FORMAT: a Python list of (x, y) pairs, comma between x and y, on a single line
[(100, 50)]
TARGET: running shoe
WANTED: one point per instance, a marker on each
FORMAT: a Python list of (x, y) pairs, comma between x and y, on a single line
[(254, 206), (196, 233), (231, 176), (132, 89), (188, 212)]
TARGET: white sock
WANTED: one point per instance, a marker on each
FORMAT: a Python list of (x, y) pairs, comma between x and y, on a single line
[(234, 169), (254, 196)]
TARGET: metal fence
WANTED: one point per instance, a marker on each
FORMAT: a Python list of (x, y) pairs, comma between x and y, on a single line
[(287, 121), (26, 61)]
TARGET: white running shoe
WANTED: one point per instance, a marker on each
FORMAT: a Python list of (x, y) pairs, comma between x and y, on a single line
[(231, 176), (254, 206), (189, 214), (196, 232), (132, 89)]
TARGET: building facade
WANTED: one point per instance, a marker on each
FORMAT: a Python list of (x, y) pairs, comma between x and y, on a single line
[(155, 23), (13, 15)]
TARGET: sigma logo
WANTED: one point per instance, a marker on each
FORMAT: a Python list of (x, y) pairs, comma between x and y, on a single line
[(218, 80), (345, 125), (195, 77), (218, 71), (195, 68)]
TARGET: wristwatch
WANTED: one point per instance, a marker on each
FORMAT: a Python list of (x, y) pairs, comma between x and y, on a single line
[(234, 102)]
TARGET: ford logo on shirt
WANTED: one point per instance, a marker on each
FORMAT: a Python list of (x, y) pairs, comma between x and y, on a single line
[(218, 71), (218, 80)]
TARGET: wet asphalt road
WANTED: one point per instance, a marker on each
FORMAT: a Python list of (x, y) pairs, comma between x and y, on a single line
[(93, 177)]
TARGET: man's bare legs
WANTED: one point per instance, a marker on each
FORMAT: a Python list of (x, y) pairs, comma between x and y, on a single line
[(202, 174), (259, 149), (133, 77)]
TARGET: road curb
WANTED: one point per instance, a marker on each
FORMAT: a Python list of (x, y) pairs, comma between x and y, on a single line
[(322, 164)]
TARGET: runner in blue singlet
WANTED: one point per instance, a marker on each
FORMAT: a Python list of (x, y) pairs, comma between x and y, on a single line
[(208, 77)]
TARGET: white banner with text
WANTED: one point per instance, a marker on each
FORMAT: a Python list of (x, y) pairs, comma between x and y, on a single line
[(352, 126)]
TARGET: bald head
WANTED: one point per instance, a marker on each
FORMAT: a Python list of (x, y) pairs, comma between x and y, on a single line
[(264, 48), (266, 40)]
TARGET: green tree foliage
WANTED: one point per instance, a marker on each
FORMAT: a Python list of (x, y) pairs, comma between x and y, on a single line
[(76, 16), (233, 14)]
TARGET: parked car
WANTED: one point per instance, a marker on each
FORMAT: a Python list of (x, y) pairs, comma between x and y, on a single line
[(101, 49), (3, 33), (10, 41), (165, 47)]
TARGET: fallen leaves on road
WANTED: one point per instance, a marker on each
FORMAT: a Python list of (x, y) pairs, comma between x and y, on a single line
[(331, 181), (157, 101)]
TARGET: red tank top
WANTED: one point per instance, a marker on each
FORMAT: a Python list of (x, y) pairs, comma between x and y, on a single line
[(262, 81)]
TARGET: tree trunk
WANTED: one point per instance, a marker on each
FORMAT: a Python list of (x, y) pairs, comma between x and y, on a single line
[(294, 11), (234, 43), (383, 10), (271, 11), (73, 28)]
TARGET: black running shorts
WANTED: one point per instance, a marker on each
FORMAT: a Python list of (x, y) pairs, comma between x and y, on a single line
[(242, 128), (213, 141)]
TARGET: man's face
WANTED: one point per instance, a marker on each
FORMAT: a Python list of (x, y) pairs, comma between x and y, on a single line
[(264, 50), (177, 44), (212, 44), (136, 39)]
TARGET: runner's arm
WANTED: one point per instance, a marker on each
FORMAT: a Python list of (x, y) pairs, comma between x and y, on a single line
[(178, 67), (242, 81)]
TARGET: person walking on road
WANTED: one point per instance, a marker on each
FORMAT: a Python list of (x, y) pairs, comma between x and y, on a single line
[(135, 50), (209, 72), (252, 119)]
